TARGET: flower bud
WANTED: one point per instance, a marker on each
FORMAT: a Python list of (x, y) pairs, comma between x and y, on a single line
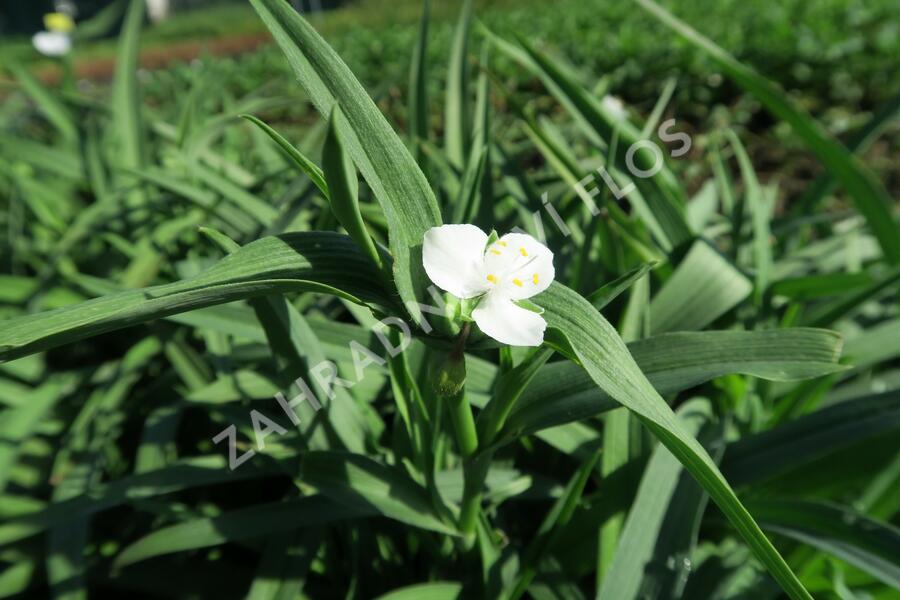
[(449, 376)]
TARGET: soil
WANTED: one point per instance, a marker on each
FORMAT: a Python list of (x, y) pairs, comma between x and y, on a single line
[(101, 69)]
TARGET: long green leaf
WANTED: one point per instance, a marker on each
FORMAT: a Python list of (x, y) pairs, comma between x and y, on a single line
[(126, 103), (556, 518), (20, 422), (858, 143), (417, 106), (456, 105), (309, 261), (302, 162), (636, 564), (343, 188), (190, 473), (609, 291), (362, 483), (757, 201), (776, 451), (435, 590), (57, 113), (703, 287), (580, 332), (674, 362), (865, 543), (617, 452), (241, 524), (384, 161), (298, 349)]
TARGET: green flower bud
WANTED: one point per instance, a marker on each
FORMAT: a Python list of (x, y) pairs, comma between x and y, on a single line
[(449, 377)]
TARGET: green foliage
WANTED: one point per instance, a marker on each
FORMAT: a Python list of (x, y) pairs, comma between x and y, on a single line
[(195, 379)]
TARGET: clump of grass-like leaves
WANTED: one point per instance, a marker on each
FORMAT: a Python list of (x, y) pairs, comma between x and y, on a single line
[(181, 273)]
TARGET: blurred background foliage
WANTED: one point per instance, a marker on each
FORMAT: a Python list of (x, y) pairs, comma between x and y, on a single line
[(112, 157)]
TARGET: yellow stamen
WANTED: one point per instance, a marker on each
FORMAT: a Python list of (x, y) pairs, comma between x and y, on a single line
[(497, 252), (535, 279), (522, 251), (518, 282), (492, 278), (502, 243)]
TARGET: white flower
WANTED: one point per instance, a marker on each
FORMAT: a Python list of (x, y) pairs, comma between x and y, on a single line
[(615, 106), (458, 260), (52, 43)]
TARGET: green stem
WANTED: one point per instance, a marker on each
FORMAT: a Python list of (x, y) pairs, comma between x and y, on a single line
[(474, 473), (463, 424), (460, 411)]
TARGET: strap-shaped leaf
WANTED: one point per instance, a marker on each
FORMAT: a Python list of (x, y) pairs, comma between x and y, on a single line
[(417, 104), (554, 521), (353, 486), (384, 161), (362, 483), (126, 95), (53, 108), (811, 437), (20, 422), (310, 261), (297, 348), (241, 524), (662, 520), (343, 191), (562, 392), (703, 287), (186, 474), (578, 330), (302, 162), (865, 543), (435, 590), (456, 105)]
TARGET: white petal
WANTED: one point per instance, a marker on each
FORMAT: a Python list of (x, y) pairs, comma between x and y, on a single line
[(453, 256), (521, 265), (52, 43), (499, 318)]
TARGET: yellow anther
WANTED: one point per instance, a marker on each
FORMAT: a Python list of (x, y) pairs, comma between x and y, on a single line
[(502, 243), (493, 251), (535, 279), (492, 278), (518, 282), (522, 251)]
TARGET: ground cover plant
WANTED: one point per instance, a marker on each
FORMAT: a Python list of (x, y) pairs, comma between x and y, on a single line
[(252, 360)]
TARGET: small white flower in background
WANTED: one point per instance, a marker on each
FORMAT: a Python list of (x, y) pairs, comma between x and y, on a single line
[(52, 43), (157, 10), (56, 41), (458, 260), (615, 106)]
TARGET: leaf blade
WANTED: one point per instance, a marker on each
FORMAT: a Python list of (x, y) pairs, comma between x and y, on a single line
[(400, 187), (584, 334)]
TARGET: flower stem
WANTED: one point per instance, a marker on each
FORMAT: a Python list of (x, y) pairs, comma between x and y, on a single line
[(474, 473), (460, 411), (467, 442), (463, 424)]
